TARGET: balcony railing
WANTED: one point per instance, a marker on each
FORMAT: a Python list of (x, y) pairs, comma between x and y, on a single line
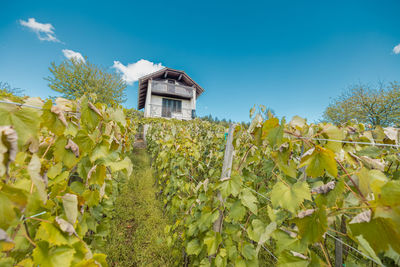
[(172, 89), (165, 112)]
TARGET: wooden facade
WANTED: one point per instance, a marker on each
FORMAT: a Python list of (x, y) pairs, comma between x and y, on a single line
[(168, 93)]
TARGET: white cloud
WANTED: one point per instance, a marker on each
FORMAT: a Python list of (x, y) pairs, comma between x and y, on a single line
[(396, 49), (72, 54), (133, 71), (44, 31)]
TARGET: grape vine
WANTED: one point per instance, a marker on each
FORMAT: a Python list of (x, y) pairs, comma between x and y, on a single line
[(60, 166), (293, 186)]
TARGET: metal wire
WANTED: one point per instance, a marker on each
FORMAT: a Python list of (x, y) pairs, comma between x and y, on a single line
[(352, 142), (366, 256), (19, 104), (29, 106), (251, 189)]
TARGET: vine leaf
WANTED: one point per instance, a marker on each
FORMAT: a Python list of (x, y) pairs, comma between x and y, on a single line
[(70, 203), (237, 211), (290, 197), (49, 232), (366, 248), (317, 160), (249, 200), (37, 179), (230, 186), (212, 240), (44, 255), (193, 247), (24, 120), (287, 259), (312, 227)]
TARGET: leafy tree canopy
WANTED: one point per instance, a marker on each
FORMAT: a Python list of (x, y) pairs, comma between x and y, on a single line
[(74, 78), (374, 105), (6, 90)]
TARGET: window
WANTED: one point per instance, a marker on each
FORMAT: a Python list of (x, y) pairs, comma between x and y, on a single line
[(169, 106)]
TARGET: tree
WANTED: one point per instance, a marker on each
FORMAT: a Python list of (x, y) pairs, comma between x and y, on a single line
[(8, 89), (74, 78), (374, 105)]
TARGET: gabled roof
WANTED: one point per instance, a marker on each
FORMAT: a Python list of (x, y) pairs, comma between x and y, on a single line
[(165, 73)]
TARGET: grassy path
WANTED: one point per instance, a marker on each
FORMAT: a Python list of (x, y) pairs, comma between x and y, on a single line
[(137, 232)]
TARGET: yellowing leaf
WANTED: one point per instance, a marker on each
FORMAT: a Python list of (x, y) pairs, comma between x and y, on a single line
[(318, 160), (290, 197), (37, 179), (44, 255), (24, 120), (70, 203)]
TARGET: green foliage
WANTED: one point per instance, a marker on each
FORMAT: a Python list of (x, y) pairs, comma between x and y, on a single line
[(371, 105), (6, 90), (285, 193), (55, 195), (75, 78)]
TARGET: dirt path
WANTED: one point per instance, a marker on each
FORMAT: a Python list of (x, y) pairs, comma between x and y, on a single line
[(137, 232)]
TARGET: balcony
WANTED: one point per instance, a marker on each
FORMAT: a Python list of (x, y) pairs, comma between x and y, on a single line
[(164, 88), (163, 112)]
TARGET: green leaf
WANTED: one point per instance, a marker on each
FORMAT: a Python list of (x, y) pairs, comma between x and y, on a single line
[(7, 214), (50, 233), (285, 242), (381, 233), (98, 175), (24, 120), (92, 198), (256, 230), (366, 248), (88, 116), (63, 155), (334, 133), (193, 247), (248, 251), (275, 136), (84, 141), (268, 125), (54, 170), (317, 160), (50, 119), (125, 164), (290, 197), (287, 259), (70, 203), (312, 227), (370, 151), (230, 186), (212, 240), (101, 151), (266, 235), (44, 255), (237, 211), (249, 200), (37, 179), (117, 115), (371, 181), (297, 122)]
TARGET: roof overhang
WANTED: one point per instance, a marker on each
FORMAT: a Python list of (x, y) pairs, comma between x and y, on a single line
[(165, 73)]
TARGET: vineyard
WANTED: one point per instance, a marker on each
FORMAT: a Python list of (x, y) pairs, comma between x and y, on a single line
[(274, 194)]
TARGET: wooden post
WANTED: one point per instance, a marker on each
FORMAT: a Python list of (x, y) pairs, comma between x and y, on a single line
[(228, 156), (226, 172), (339, 245)]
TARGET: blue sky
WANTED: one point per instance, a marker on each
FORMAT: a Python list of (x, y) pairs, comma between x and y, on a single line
[(293, 56)]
